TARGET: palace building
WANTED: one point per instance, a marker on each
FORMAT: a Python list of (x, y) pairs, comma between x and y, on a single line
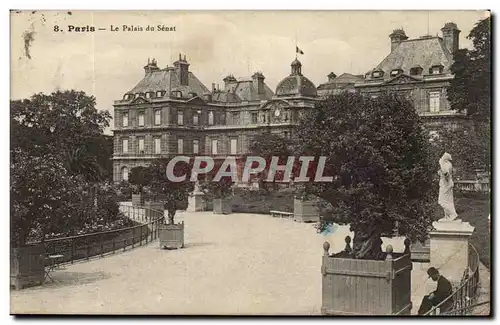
[(419, 68), (170, 111)]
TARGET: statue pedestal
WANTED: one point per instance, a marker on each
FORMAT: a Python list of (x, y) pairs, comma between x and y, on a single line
[(449, 241), (196, 202)]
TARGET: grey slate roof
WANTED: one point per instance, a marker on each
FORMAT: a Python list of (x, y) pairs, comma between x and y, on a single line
[(424, 52), (168, 80)]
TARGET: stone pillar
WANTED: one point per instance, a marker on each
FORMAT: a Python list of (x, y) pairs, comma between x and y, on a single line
[(196, 202), (449, 241)]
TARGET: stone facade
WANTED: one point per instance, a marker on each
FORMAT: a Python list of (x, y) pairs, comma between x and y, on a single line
[(170, 108), (420, 69), (171, 112)]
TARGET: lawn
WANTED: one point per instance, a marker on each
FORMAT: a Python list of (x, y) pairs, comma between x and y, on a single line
[(476, 211)]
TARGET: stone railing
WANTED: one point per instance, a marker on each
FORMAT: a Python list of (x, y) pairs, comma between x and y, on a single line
[(473, 186)]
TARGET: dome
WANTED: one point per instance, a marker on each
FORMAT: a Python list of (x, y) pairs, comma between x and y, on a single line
[(296, 83)]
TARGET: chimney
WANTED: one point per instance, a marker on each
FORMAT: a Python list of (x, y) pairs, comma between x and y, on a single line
[(182, 68), (450, 36), (397, 36), (229, 79), (331, 76), (213, 87), (258, 82), (150, 67)]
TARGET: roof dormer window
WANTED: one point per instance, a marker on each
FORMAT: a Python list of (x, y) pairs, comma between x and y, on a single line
[(149, 94), (137, 95), (377, 74), (159, 93), (128, 96), (416, 71), (436, 69), (176, 94), (396, 72)]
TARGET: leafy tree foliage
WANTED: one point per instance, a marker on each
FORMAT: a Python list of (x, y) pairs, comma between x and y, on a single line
[(220, 189), (58, 155), (66, 125), (378, 154), (470, 92), (268, 145), (140, 176), (171, 192)]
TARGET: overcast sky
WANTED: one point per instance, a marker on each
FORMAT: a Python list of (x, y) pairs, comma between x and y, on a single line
[(107, 64)]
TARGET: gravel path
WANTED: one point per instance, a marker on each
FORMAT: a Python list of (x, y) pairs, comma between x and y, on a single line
[(232, 264)]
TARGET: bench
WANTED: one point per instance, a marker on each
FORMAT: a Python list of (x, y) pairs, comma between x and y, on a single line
[(281, 214)]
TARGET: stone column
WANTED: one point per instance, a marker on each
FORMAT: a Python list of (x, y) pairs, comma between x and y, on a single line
[(449, 241)]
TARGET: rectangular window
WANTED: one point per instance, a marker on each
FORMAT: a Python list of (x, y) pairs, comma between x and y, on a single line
[(434, 101), (234, 146), (211, 118), (158, 117), (158, 145), (196, 147), (195, 119), (214, 147), (180, 146), (141, 145), (235, 116), (180, 117), (254, 118), (286, 134), (125, 145), (140, 118), (125, 119)]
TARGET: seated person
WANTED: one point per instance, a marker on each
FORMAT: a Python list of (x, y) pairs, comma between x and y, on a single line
[(444, 290)]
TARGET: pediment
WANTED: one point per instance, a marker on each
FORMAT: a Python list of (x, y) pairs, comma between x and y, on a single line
[(275, 103), (401, 79), (140, 100), (196, 100)]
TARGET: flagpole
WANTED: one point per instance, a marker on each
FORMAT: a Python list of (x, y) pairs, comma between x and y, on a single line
[(296, 45)]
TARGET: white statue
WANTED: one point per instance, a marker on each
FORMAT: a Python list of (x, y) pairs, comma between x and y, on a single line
[(445, 199)]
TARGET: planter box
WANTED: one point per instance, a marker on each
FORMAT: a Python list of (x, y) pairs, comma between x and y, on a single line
[(223, 206), (171, 236), (366, 287), (27, 265), (137, 200), (305, 211)]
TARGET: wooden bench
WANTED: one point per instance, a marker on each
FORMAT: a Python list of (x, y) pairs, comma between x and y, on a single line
[(281, 214)]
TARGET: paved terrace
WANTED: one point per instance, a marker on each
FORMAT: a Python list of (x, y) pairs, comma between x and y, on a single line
[(232, 264)]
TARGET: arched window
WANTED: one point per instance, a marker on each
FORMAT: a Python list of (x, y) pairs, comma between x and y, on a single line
[(125, 173)]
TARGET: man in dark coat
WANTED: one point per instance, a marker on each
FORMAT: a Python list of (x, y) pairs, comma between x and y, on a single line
[(444, 290)]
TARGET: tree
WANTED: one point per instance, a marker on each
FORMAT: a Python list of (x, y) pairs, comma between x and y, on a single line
[(268, 145), (140, 176), (216, 189), (470, 92), (377, 153), (64, 124), (172, 192)]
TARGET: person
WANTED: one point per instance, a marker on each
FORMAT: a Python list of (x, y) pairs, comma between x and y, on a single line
[(444, 290)]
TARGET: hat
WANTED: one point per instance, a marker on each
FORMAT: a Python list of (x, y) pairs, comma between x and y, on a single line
[(431, 271)]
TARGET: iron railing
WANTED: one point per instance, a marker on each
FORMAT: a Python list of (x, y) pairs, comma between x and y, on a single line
[(465, 296), (84, 247)]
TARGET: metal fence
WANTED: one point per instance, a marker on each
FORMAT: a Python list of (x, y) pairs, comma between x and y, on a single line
[(465, 296), (84, 247)]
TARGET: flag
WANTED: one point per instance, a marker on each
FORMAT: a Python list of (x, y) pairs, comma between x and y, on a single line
[(297, 50)]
